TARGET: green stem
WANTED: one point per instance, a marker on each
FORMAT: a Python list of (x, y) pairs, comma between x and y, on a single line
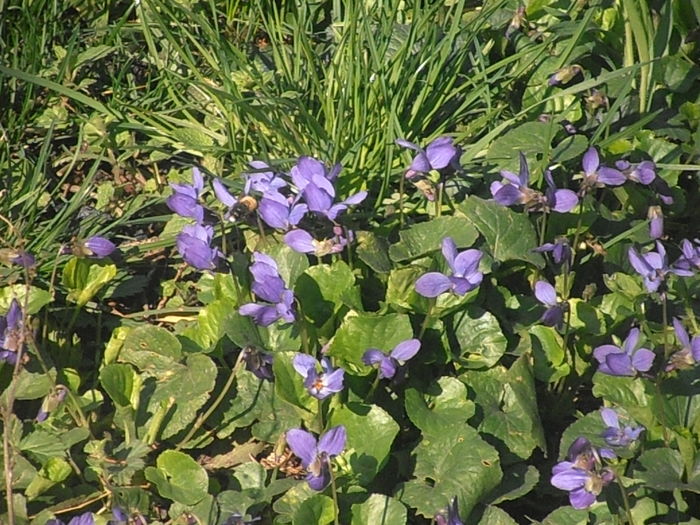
[(626, 502), (373, 388), (402, 188), (202, 418), (438, 201), (428, 318), (334, 492)]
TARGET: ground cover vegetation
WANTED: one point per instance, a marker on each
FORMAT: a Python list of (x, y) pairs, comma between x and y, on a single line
[(359, 262)]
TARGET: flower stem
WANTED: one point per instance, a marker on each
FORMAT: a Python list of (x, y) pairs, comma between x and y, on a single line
[(373, 388), (334, 492), (401, 191), (428, 318), (202, 418), (626, 502)]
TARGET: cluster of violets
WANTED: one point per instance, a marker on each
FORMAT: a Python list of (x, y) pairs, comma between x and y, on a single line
[(280, 201), (582, 474)]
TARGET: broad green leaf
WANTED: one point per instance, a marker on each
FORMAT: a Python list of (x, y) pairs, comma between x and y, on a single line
[(54, 471), (373, 250), (32, 386), (289, 385), (509, 235), (548, 352), (287, 506), (661, 469), (632, 394), (212, 321), (178, 477), (508, 402), (316, 510), (38, 298), (401, 289), (366, 456), (151, 349), (479, 337), (118, 381), (241, 329), (531, 139), (188, 387), (518, 480), (204, 512), (454, 462), (280, 337), (425, 237), (44, 443), (320, 290), (571, 147), (495, 516), (379, 510), (194, 139), (84, 278), (445, 404), (360, 331)]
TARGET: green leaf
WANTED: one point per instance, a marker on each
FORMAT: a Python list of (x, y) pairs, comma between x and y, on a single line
[(151, 349), (548, 351), (360, 331), (508, 401), (289, 385), (454, 462), (373, 250), (479, 337), (445, 404), (571, 147), (44, 444), (401, 289), (32, 386), (118, 381), (495, 516), (632, 394), (287, 506), (366, 456), (212, 321), (193, 139), (531, 139), (379, 510), (320, 290), (509, 235), (189, 387), (178, 477), (316, 510), (290, 264), (38, 298), (251, 400), (84, 278), (518, 480), (661, 469), (241, 329), (425, 237)]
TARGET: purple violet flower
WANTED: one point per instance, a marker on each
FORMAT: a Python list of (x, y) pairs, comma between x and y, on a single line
[(319, 385), (564, 75), (597, 176), (388, 365), (11, 256), (626, 360), (561, 251), (689, 354), (84, 519), (97, 247), (452, 517), (615, 435), (315, 184), (281, 212), (690, 258), (440, 154), (547, 295), (516, 190), (653, 267), (11, 336), (301, 241), (465, 272), (258, 362), (184, 200), (51, 402), (642, 173), (263, 181), (315, 455), (581, 474), (268, 285), (193, 244), (656, 222)]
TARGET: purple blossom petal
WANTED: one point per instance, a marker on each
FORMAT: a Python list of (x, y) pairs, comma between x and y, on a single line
[(620, 364), (449, 251), (591, 161), (302, 363), (303, 444), (564, 201), (222, 194), (317, 199), (507, 195), (99, 246), (440, 152), (581, 498), (387, 368), (630, 342), (406, 350), (300, 241), (433, 284), (545, 293), (643, 359), (611, 176), (610, 417), (553, 316), (185, 206), (373, 356), (262, 314), (570, 479), (333, 441), (467, 262)]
